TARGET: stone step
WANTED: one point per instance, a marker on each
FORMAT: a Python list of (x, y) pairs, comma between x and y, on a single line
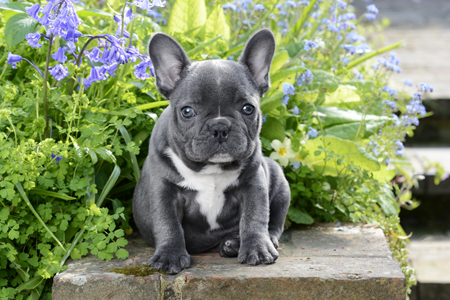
[(324, 261)]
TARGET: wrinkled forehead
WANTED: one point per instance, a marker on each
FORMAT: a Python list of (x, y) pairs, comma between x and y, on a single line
[(220, 80)]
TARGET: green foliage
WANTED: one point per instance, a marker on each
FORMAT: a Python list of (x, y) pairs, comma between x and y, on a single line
[(342, 134)]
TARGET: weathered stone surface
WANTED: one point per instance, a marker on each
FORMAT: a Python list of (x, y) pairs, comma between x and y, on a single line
[(319, 262)]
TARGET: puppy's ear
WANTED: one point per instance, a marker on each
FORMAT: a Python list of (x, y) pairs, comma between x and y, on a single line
[(169, 60), (257, 56)]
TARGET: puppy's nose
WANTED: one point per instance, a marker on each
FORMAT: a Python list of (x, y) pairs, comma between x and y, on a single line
[(220, 132)]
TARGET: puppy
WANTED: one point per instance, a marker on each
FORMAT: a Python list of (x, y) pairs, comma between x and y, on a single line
[(205, 185)]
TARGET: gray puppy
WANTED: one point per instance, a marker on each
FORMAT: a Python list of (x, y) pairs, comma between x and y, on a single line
[(205, 185)]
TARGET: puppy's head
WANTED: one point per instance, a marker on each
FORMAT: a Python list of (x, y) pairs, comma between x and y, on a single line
[(214, 104)]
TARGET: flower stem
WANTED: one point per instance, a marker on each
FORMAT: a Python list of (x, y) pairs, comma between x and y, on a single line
[(80, 55), (45, 87)]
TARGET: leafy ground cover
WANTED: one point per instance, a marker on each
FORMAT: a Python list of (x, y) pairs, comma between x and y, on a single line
[(79, 103)]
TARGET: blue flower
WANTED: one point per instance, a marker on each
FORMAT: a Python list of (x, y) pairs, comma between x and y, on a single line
[(279, 6), (230, 57), (33, 39), (415, 121), (288, 89), (399, 145), (259, 7), (387, 161), (303, 2), (310, 45), (342, 4), (13, 59), (355, 37), (86, 83), (229, 5), (362, 48), (140, 70), (94, 55), (426, 87), (72, 35), (264, 118), (345, 60), (391, 104), (371, 16), (282, 13), (347, 17), (59, 72), (408, 82), (112, 69), (372, 9), (295, 165), (306, 77), (312, 132), (285, 100), (295, 110), (282, 24), (390, 91), (358, 75), (59, 55), (56, 158), (33, 11), (95, 75), (399, 153), (291, 3), (349, 48), (146, 5)]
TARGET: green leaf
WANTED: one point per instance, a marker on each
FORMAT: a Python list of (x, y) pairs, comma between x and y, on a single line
[(106, 154), (51, 194), (152, 105), (344, 153), (299, 217), (295, 31), (122, 253), (334, 115), (216, 25), (121, 242), (278, 61), (30, 284), (344, 96), (17, 27), (384, 175), (270, 103), (325, 82), (350, 130), (187, 15), (136, 169), (387, 202), (14, 6), (93, 12), (273, 129)]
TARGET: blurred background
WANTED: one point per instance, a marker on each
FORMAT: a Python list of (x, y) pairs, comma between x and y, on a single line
[(424, 26)]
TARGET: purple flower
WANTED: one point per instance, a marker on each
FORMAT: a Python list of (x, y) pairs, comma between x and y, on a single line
[(312, 132), (13, 59), (288, 89), (33, 11), (86, 83), (59, 56), (94, 55), (342, 4), (56, 158), (140, 70), (33, 39), (310, 45), (372, 9), (72, 35), (306, 77), (112, 69), (59, 72), (408, 82)]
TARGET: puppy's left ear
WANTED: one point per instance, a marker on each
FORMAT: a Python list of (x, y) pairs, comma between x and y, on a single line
[(257, 56)]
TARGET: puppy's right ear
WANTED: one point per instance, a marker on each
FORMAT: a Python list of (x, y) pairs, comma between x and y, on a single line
[(169, 60)]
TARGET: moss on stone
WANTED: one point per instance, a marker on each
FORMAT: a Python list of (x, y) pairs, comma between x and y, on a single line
[(139, 271)]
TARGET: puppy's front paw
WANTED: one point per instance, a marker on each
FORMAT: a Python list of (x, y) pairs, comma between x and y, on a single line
[(257, 250), (171, 262)]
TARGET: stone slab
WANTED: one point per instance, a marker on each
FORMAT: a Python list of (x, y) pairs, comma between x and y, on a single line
[(323, 261)]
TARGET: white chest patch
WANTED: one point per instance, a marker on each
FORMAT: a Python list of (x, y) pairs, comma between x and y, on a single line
[(210, 183)]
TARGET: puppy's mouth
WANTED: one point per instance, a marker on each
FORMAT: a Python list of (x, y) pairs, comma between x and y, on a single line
[(221, 156)]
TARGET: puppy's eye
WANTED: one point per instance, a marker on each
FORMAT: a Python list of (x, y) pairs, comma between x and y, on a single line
[(248, 109), (187, 112)]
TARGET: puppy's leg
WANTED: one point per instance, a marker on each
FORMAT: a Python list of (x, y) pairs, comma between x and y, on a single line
[(229, 246)]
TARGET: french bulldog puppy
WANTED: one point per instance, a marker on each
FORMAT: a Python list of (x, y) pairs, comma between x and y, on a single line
[(205, 185)]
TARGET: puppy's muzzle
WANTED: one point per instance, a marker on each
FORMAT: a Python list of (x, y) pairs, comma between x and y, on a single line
[(220, 132)]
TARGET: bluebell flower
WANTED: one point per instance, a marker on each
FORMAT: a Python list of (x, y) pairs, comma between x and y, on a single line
[(372, 9), (285, 100), (94, 55), (408, 82), (33, 39), (349, 48), (95, 75), (291, 3), (33, 11), (140, 70), (59, 72), (310, 45), (72, 35), (112, 69), (259, 7), (312, 132), (57, 158), (13, 59), (288, 89), (295, 110), (59, 55), (86, 83)]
